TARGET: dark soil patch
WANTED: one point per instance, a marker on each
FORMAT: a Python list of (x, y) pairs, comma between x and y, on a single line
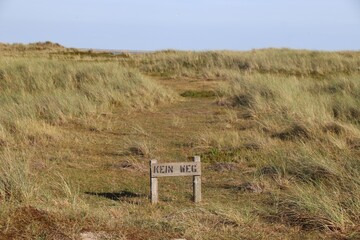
[(293, 133), (223, 167), (244, 100), (121, 165), (333, 128), (116, 195), (246, 187), (269, 170), (32, 223)]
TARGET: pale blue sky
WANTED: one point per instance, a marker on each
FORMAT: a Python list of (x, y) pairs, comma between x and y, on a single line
[(184, 24)]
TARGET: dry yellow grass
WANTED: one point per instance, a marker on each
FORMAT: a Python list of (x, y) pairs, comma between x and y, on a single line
[(279, 139), (53, 92)]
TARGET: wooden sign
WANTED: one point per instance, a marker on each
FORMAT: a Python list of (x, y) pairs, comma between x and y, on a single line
[(175, 170)]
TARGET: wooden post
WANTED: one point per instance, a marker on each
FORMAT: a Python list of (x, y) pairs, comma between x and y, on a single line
[(153, 185), (197, 183)]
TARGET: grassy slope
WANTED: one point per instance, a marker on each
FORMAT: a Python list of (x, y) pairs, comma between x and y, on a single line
[(280, 146), (38, 93)]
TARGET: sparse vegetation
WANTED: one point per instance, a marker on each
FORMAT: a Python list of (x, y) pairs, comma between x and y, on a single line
[(278, 131)]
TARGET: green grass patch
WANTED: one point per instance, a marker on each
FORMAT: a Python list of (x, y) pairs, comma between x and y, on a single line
[(199, 94)]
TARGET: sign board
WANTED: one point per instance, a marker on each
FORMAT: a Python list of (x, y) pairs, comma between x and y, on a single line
[(175, 170)]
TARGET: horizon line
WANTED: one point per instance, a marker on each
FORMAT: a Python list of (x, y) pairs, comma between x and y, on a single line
[(174, 49)]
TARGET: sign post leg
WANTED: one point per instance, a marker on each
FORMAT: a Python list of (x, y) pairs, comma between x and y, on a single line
[(154, 194), (197, 183)]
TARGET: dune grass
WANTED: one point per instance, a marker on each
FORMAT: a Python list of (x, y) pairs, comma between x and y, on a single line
[(223, 64), (308, 131), (39, 93), (278, 134)]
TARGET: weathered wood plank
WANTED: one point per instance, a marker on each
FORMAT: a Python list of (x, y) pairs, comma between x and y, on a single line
[(154, 191), (197, 183), (175, 169)]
